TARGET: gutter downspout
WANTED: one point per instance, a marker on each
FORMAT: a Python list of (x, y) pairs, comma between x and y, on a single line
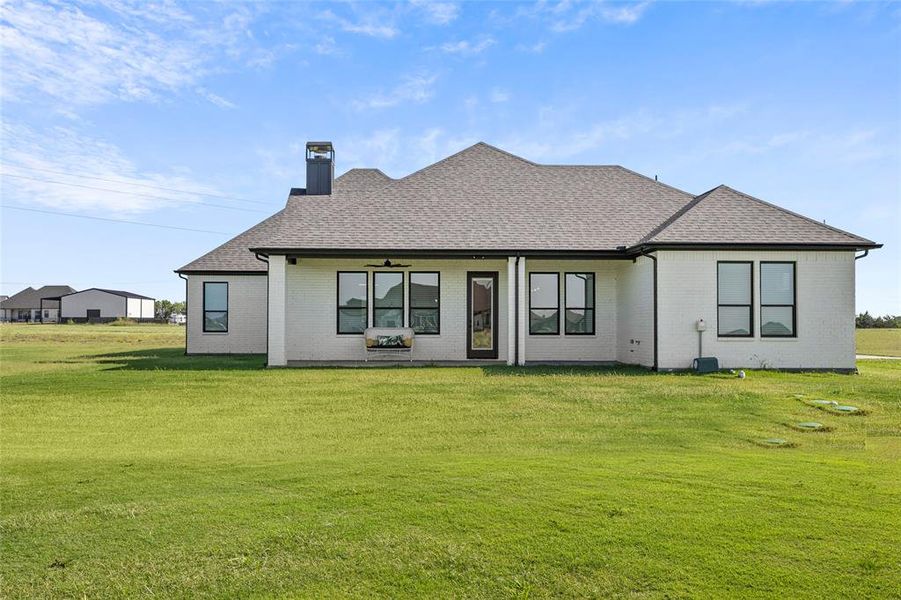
[(186, 312), (653, 258), (864, 255)]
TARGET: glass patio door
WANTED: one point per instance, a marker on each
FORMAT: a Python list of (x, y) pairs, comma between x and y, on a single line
[(481, 321)]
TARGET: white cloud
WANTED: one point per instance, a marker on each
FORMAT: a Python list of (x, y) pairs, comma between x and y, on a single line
[(624, 13), (378, 149), (567, 15), (397, 153), (499, 95), (326, 46), (82, 55), (468, 48), (536, 48), (438, 13), (567, 144), (568, 136), (414, 89), (377, 24), (33, 160), (215, 98), (854, 146)]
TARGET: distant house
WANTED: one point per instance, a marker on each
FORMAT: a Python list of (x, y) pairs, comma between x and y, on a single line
[(96, 305), (34, 305), (488, 256), (178, 319)]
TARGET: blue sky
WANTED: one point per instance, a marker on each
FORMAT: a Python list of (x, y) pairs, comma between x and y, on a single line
[(160, 110)]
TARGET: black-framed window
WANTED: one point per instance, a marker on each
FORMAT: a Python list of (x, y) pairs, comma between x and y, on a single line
[(388, 299), (578, 304), (735, 299), (544, 303), (215, 307), (353, 298), (778, 299), (425, 302)]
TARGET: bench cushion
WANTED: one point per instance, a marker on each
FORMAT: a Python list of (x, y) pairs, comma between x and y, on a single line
[(390, 341), (388, 337)]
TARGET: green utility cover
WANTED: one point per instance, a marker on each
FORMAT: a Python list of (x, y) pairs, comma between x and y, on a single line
[(706, 364)]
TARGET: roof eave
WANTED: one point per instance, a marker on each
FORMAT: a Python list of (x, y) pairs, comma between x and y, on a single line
[(439, 252), (217, 272), (862, 245)]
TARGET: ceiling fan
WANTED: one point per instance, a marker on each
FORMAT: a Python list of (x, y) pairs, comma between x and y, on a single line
[(388, 265)]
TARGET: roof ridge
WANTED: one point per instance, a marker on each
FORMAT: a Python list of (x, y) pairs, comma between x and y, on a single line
[(467, 149), (379, 171), (643, 176), (675, 216), (794, 214)]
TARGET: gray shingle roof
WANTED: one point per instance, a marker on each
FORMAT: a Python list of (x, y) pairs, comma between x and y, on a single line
[(122, 293), (483, 198), (31, 298), (724, 215)]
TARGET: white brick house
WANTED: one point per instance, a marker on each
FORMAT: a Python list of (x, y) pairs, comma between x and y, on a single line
[(487, 256)]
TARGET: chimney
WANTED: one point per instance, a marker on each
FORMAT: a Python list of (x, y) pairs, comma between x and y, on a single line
[(320, 168)]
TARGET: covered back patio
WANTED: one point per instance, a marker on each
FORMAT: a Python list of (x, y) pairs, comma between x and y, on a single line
[(462, 310)]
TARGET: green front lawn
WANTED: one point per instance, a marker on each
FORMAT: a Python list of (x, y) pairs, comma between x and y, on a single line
[(879, 342), (129, 469)]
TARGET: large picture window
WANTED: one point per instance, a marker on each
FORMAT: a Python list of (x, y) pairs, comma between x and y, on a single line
[(425, 303), (777, 299), (388, 299), (579, 304), (215, 307), (352, 301), (734, 299), (544, 304)]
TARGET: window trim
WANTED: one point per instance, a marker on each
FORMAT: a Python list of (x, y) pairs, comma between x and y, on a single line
[(557, 308), (338, 305), (410, 306), (403, 299), (793, 305), (594, 302), (204, 310), (750, 306)]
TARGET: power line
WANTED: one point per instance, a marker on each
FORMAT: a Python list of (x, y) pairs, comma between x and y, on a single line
[(90, 187), (145, 185), (53, 212)]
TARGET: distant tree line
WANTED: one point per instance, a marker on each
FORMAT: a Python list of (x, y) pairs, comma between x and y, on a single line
[(868, 321), (163, 309)]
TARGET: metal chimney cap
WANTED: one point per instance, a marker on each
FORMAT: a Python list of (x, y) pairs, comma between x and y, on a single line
[(320, 147)]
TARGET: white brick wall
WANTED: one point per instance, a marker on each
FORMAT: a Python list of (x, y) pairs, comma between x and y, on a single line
[(311, 308), (598, 347), (825, 311), (246, 316), (635, 313), (624, 312)]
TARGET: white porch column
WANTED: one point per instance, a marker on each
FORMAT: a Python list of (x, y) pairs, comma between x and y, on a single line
[(276, 333), (511, 309), (523, 309)]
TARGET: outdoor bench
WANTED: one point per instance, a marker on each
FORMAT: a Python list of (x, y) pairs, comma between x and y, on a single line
[(388, 340)]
